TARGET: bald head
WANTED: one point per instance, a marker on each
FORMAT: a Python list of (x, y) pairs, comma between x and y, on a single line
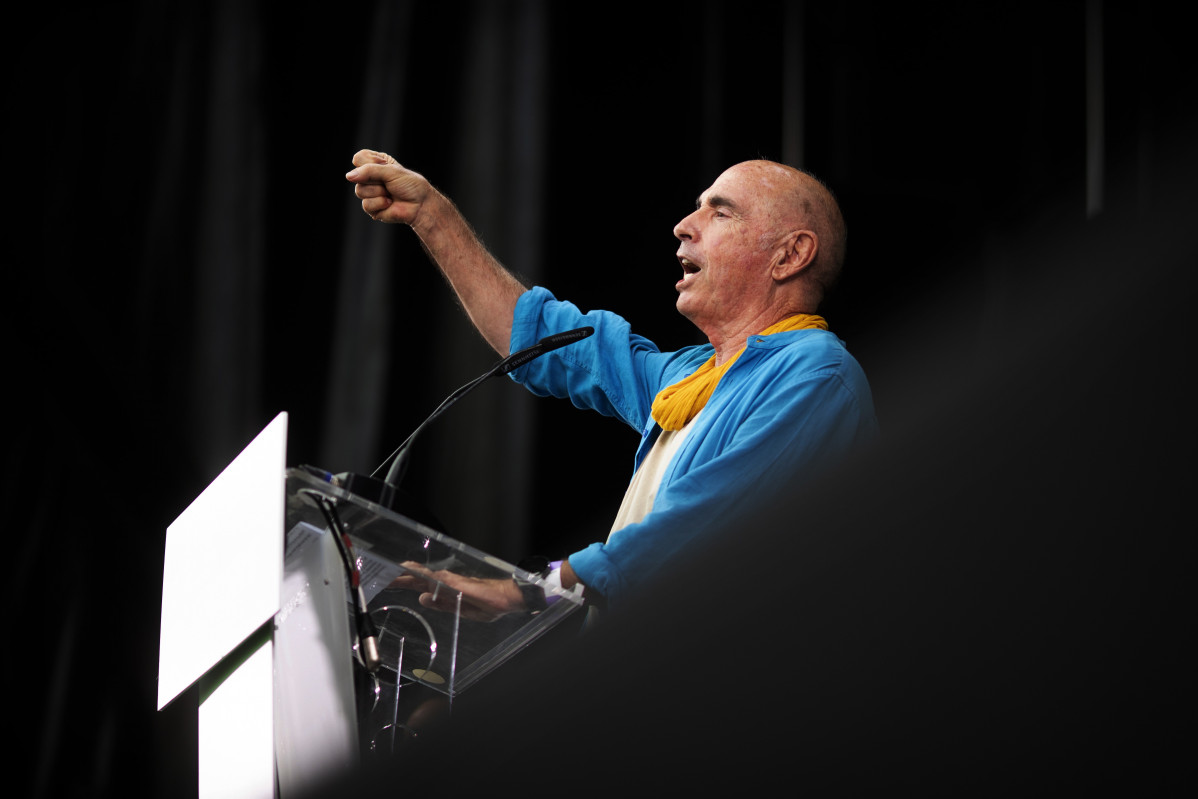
[(797, 200), (763, 243)]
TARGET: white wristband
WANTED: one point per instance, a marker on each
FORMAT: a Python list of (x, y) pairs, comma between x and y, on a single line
[(554, 580)]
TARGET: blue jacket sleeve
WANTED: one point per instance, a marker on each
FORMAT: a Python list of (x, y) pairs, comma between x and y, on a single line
[(614, 372)]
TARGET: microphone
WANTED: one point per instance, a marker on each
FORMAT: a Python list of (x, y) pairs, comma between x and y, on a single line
[(508, 364), (514, 361), (387, 492)]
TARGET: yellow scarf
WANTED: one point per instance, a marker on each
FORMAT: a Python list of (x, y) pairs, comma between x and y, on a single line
[(676, 405)]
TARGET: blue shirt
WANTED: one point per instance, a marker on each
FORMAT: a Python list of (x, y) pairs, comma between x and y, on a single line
[(791, 403)]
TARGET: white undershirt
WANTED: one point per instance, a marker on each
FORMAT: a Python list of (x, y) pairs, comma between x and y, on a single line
[(638, 499)]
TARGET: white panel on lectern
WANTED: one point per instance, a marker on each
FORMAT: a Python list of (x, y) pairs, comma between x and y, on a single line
[(223, 563)]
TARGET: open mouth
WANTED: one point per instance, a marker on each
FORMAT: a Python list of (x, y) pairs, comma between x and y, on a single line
[(689, 270)]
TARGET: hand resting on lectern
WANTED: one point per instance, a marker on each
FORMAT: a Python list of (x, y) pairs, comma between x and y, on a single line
[(483, 599)]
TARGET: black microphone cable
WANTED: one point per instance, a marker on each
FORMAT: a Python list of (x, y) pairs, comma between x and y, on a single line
[(368, 636)]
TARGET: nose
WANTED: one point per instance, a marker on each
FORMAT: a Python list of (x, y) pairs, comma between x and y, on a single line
[(685, 229)]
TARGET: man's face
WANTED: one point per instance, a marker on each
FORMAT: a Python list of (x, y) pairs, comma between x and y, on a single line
[(726, 247)]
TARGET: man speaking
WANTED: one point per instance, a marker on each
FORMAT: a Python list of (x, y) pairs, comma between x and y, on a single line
[(773, 399)]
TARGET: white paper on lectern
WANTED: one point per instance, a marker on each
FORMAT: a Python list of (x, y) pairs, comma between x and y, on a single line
[(223, 563), (374, 572)]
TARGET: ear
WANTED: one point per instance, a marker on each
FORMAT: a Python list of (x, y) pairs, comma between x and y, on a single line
[(799, 250)]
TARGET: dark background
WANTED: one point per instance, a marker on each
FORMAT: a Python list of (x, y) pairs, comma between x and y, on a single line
[(995, 596)]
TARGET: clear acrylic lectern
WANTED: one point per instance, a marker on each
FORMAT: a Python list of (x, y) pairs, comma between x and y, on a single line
[(257, 608)]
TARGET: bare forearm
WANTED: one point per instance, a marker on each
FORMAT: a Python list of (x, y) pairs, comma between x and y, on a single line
[(488, 292), (393, 194)]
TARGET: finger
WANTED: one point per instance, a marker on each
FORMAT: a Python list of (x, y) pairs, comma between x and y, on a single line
[(376, 205), (406, 581), (370, 173), (414, 575), (439, 602), (364, 157), (365, 191), (417, 568)]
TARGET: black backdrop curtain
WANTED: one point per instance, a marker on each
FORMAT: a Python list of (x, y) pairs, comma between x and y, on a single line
[(187, 261)]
